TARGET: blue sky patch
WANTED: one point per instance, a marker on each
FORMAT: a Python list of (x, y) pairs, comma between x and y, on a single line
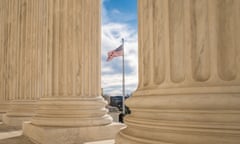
[(119, 20)]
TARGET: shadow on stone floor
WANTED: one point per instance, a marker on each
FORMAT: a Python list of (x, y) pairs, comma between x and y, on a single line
[(16, 140), (9, 130), (5, 128)]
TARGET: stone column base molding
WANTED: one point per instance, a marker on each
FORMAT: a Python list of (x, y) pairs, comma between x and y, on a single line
[(184, 118), (3, 109), (70, 135), (71, 112), (1, 115), (14, 121), (19, 111)]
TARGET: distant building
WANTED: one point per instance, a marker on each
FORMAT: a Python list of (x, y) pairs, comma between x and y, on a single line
[(116, 101)]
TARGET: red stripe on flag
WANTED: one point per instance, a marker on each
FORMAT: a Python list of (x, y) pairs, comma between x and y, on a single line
[(115, 53)]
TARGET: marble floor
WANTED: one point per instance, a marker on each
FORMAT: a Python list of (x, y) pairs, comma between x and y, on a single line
[(13, 135)]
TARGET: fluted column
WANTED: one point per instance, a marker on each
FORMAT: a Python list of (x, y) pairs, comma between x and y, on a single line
[(72, 67), (189, 74), (3, 60), (72, 104), (25, 40)]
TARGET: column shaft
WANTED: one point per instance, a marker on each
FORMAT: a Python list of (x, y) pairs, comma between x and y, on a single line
[(25, 41), (71, 104), (72, 66), (73, 49), (3, 59), (189, 71)]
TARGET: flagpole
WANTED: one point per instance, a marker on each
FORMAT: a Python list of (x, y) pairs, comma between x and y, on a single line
[(123, 80)]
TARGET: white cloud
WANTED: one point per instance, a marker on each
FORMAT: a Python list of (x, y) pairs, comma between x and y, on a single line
[(112, 33), (106, 69), (116, 11)]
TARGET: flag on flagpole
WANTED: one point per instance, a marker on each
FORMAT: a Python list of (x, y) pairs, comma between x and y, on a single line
[(115, 53)]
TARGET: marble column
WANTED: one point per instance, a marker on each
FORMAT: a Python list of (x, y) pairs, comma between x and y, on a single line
[(24, 41), (189, 74), (3, 60), (72, 109)]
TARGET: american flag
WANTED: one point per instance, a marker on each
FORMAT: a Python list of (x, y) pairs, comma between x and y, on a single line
[(115, 53)]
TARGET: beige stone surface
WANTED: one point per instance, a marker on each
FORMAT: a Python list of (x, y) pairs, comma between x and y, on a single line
[(4, 97), (17, 140), (101, 142), (51, 49), (115, 116), (71, 105), (189, 74), (22, 39), (7, 128), (70, 135), (11, 134), (8, 132), (71, 111), (25, 140), (4, 105), (71, 62), (19, 111), (15, 121)]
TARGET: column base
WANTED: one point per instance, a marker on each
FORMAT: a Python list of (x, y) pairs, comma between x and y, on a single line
[(182, 119), (14, 121), (3, 109), (70, 135), (19, 111), (115, 116), (1, 115)]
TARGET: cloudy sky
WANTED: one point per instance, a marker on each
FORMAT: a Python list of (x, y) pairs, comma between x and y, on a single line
[(119, 20)]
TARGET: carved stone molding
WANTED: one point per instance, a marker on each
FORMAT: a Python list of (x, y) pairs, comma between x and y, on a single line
[(189, 69)]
